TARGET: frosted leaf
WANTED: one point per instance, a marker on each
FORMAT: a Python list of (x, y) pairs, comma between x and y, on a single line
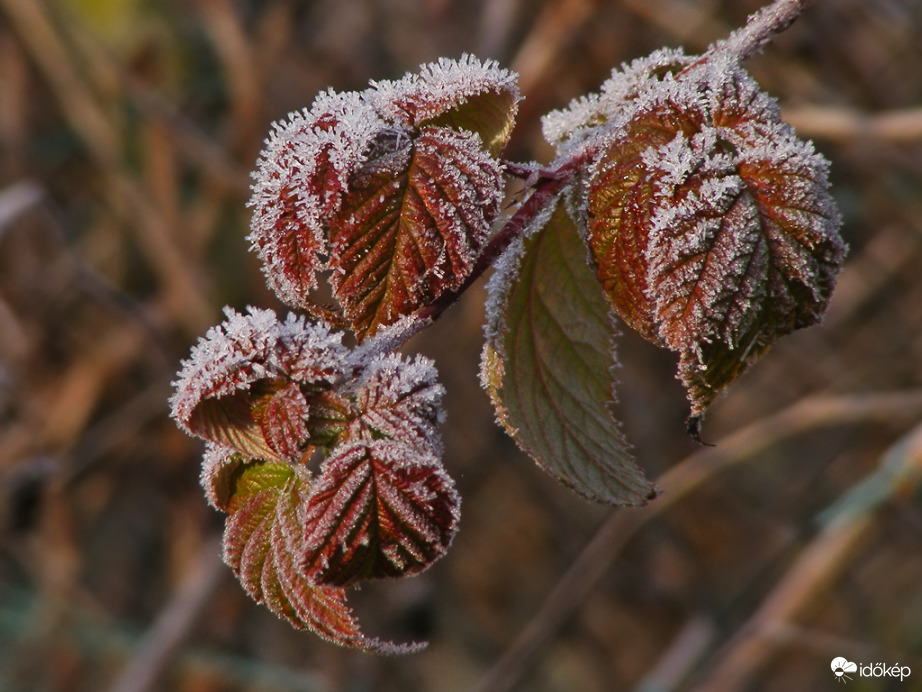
[(710, 223), (263, 544), (300, 178), (399, 399), (413, 224), (464, 95), (604, 114), (548, 364), (417, 151), (218, 466), (506, 269), (283, 421), (239, 387), (378, 509), (387, 339), (582, 115)]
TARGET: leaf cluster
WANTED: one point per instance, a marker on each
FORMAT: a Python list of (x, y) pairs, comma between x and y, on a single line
[(679, 205)]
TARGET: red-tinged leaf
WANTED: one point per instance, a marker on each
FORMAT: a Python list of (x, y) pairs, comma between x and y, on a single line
[(599, 115), (330, 415), (378, 509), (623, 196), (710, 222), (413, 224), (313, 161), (300, 179), (244, 384), (263, 544), (283, 421), (399, 399), (229, 421), (548, 362), (462, 95)]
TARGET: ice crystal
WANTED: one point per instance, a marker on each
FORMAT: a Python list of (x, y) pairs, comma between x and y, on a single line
[(620, 98), (387, 339), (505, 273), (379, 509), (217, 462), (400, 399), (395, 249), (300, 178), (711, 224), (439, 87), (221, 392), (418, 151)]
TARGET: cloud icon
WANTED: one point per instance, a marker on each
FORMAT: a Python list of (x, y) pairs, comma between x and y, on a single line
[(844, 665)]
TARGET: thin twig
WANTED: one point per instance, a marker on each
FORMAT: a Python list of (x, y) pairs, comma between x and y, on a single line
[(596, 558), (174, 624), (686, 649), (846, 524), (182, 282), (17, 200), (760, 28), (848, 125)]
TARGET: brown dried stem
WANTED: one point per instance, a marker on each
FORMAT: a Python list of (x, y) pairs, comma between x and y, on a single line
[(174, 624), (846, 524), (846, 124)]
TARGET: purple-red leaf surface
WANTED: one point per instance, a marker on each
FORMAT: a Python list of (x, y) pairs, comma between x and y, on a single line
[(394, 189), (411, 227), (378, 509), (399, 400)]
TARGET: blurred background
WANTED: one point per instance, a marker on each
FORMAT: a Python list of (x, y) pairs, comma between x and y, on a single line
[(127, 132)]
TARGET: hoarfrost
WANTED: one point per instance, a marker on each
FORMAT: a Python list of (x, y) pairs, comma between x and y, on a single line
[(255, 346), (214, 461), (400, 399), (380, 502), (299, 181), (438, 87)]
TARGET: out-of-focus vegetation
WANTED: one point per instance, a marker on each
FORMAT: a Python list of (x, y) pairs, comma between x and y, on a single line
[(127, 131)]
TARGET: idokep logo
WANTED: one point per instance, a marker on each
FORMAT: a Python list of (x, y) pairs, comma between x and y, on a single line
[(841, 667)]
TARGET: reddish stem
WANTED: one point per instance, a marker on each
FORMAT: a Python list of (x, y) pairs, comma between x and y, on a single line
[(548, 184), (760, 28)]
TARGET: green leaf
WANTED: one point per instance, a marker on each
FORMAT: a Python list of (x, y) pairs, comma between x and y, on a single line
[(548, 365), (233, 480)]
